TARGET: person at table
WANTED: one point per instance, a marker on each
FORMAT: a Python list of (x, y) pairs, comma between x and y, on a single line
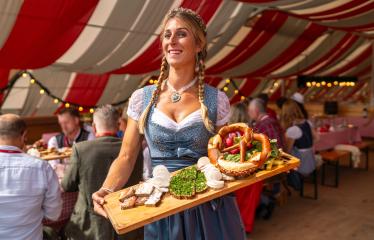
[(264, 123), (29, 188), (72, 131), (265, 98), (89, 165), (299, 139), (178, 115), (270, 126), (248, 197)]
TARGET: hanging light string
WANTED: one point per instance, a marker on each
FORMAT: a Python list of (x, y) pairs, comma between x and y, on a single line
[(228, 83), (44, 90)]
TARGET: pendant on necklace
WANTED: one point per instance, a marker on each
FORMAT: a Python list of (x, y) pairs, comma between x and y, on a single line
[(175, 97)]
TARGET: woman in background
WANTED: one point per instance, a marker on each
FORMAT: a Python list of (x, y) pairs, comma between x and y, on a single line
[(299, 137)]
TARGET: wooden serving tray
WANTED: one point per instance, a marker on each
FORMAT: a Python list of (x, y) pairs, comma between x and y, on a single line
[(54, 156), (127, 220)]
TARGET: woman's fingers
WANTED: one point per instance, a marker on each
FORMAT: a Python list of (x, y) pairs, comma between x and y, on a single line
[(99, 209), (98, 201)]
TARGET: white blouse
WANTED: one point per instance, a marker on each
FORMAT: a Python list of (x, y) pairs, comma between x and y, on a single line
[(136, 103)]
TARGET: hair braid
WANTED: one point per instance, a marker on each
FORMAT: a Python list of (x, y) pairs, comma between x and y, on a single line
[(155, 94), (204, 110)]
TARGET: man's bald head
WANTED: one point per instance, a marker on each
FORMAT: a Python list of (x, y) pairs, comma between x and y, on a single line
[(11, 126)]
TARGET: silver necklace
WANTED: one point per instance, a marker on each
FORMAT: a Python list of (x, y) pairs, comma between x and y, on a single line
[(177, 95)]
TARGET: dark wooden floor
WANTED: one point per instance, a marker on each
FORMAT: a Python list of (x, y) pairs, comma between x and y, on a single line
[(346, 212)]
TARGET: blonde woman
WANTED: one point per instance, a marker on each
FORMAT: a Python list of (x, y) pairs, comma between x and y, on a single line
[(177, 118), (299, 136), (238, 113)]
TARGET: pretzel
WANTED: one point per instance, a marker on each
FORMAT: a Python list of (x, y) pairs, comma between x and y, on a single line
[(216, 149)]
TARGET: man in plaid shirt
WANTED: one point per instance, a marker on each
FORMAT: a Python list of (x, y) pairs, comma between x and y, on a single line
[(264, 123)]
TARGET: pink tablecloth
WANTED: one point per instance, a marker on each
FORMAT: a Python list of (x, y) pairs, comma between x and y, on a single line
[(365, 125), (330, 139)]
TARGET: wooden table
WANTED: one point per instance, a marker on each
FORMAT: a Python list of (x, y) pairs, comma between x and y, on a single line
[(127, 220)]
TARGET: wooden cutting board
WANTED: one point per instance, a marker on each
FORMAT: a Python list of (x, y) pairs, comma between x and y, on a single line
[(55, 156), (127, 220)]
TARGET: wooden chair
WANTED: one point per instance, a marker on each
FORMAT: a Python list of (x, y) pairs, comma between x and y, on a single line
[(332, 158)]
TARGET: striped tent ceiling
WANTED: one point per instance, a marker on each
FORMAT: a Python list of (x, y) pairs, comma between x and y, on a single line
[(99, 51)]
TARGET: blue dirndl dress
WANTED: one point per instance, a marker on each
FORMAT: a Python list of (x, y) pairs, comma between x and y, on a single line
[(176, 149)]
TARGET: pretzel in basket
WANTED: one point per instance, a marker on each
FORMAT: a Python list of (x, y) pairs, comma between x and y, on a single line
[(222, 143)]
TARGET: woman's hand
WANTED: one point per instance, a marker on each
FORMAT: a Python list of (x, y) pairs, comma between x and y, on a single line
[(98, 201)]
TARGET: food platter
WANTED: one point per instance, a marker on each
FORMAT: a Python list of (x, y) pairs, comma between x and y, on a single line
[(127, 220), (51, 153)]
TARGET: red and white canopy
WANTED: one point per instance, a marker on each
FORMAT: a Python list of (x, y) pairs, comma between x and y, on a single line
[(94, 52)]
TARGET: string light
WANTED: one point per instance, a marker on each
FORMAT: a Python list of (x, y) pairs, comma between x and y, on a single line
[(329, 84), (242, 98), (151, 81), (236, 91), (80, 109), (228, 80), (44, 90), (92, 110), (155, 81), (225, 89)]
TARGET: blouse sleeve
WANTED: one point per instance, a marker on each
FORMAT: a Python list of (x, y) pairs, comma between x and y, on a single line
[(294, 132), (223, 109), (134, 109)]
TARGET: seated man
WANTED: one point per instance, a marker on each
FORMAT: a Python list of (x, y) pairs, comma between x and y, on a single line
[(29, 188), (89, 165), (72, 132)]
